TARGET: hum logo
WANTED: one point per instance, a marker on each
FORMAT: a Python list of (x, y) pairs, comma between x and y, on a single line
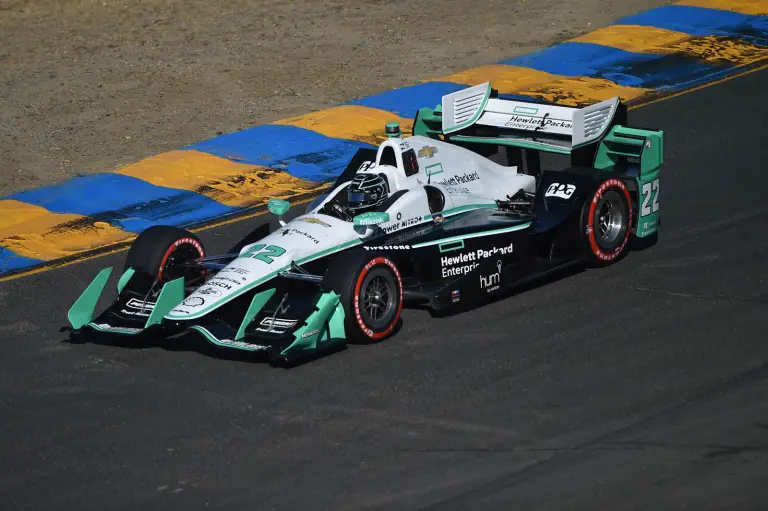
[(492, 281)]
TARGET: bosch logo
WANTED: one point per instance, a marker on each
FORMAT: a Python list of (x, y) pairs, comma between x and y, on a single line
[(209, 291)]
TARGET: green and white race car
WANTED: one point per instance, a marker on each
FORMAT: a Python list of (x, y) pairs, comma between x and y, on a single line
[(471, 204)]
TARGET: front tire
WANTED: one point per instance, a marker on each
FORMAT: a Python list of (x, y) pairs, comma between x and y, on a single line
[(371, 292), (606, 222), (155, 255)]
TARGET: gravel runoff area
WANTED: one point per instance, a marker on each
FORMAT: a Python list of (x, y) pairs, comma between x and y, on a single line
[(91, 85)]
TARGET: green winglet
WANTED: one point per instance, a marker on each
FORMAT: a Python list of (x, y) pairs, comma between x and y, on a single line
[(170, 296), (256, 304), (336, 323), (124, 278), (329, 311), (81, 312)]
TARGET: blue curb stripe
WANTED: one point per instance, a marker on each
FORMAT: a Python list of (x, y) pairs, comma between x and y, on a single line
[(646, 70), (585, 59), (125, 202), (699, 21), (11, 261), (301, 152), (406, 102)]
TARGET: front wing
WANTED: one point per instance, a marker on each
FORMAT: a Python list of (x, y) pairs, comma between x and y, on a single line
[(321, 328)]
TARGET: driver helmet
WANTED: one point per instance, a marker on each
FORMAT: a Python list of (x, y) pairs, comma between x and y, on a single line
[(367, 191)]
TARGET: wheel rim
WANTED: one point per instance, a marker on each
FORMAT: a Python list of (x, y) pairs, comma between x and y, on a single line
[(610, 220), (378, 299)]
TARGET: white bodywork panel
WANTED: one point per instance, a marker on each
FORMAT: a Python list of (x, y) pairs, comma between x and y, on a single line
[(474, 106), (466, 179)]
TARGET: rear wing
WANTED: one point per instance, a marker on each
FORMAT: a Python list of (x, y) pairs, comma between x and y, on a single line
[(474, 115)]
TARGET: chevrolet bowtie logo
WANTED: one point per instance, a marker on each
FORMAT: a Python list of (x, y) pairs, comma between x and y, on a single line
[(427, 151), (314, 221)]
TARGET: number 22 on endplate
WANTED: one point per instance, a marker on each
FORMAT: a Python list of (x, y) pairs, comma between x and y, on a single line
[(649, 189)]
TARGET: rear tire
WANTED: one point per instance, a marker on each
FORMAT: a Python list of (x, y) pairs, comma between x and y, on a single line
[(371, 292), (606, 222), (155, 255)]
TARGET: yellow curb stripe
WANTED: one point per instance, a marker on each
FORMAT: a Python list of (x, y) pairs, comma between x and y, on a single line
[(33, 231), (350, 122), (642, 39), (565, 90), (225, 181)]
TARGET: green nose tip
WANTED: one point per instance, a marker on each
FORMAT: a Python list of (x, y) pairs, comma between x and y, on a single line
[(393, 130)]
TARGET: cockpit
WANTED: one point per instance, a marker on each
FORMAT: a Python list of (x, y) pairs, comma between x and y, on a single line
[(397, 170)]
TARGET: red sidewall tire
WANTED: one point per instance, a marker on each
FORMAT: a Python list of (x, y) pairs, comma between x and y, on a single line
[(346, 275), (598, 254), (364, 328), (187, 240), (151, 252)]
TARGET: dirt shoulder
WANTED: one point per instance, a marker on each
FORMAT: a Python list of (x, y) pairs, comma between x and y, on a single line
[(89, 86)]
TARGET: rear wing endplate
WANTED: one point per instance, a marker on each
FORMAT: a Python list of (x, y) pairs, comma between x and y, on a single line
[(561, 126)]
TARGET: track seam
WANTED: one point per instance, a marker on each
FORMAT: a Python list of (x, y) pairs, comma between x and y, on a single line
[(699, 296)]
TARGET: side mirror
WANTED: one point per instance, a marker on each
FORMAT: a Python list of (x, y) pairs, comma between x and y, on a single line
[(278, 208), (371, 218), (367, 221)]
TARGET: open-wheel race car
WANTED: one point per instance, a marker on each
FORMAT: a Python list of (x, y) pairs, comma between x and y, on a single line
[(467, 206)]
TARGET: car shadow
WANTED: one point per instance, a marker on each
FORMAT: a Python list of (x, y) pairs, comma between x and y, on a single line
[(513, 290), (398, 327), (191, 342)]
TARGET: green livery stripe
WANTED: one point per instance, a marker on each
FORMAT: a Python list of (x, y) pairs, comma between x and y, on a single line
[(473, 235), (329, 251), (451, 246), (525, 110), (460, 209), (438, 170)]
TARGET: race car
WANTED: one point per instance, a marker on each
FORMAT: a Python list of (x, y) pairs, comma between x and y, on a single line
[(486, 193)]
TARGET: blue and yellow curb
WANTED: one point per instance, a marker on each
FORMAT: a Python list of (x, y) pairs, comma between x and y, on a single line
[(639, 58)]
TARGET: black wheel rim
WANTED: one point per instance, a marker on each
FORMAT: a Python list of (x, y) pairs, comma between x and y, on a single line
[(172, 269), (378, 299)]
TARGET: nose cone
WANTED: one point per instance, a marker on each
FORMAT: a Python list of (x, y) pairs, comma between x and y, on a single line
[(304, 238)]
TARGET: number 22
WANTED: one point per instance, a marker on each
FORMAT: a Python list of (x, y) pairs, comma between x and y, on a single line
[(648, 188), (267, 254)]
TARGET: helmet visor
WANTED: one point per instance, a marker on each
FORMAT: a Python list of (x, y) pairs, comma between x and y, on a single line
[(357, 197)]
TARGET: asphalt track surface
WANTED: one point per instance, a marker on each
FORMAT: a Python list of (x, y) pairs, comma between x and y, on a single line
[(641, 386)]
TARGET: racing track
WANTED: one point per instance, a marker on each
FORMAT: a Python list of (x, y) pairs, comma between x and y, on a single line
[(641, 386)]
